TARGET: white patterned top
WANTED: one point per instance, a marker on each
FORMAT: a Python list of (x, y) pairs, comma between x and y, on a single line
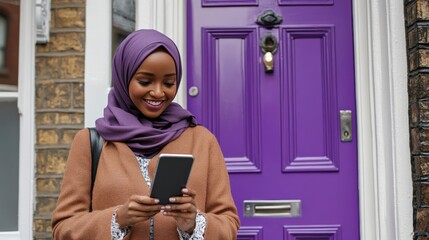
[(120, 233)]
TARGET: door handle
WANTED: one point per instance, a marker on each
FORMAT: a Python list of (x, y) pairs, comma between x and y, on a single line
[(272, 208), (193, 91)]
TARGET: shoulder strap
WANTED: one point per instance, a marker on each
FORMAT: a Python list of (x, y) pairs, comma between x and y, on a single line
[(96, 145)]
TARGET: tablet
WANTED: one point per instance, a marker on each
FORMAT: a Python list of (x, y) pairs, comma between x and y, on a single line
[(171, 176)]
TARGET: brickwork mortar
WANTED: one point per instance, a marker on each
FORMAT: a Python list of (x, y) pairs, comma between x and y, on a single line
[(59, 105), (417, 32)]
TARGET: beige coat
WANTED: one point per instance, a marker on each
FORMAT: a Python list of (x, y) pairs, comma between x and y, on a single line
[(119, 177)]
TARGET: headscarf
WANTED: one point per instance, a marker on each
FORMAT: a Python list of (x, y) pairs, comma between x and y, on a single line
[(122, 121)]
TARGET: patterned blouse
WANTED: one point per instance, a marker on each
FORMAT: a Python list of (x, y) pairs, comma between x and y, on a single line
[(120, 233)]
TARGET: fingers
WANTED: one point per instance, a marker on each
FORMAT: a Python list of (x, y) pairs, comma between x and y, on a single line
[(183, 209), (181, 206), (144, 199), (137, 209), (188, 196), (143, 205), (189, 192)]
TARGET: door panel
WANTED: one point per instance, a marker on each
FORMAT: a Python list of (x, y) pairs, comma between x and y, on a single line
[(309, 116), (279, 130), (230, 68)]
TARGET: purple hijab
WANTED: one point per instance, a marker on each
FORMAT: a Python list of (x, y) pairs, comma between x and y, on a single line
[(122, 121)]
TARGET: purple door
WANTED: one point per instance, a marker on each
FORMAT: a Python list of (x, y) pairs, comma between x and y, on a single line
[(279, 95)]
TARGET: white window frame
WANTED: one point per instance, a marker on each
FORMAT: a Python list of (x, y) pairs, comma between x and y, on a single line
[(26, 100), (25, 97), (385, 195)]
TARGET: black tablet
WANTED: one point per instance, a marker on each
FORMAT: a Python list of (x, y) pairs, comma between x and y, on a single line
[(171, 176)]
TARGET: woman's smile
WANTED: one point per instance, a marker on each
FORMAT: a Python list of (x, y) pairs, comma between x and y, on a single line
[(154, 103)]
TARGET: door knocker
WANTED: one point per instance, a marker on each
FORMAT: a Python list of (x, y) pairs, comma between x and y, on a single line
[(268, 46)]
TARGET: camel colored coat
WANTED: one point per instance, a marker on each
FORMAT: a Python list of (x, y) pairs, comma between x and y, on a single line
[(119, 177)]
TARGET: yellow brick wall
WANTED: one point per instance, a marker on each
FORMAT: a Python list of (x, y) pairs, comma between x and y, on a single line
[(59, 104)]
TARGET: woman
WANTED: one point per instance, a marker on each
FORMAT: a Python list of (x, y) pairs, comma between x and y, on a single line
[(140, 122)]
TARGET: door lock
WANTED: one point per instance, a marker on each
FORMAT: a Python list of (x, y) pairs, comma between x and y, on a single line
[(346, 125)]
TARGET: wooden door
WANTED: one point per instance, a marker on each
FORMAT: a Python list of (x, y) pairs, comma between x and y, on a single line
[(293, 170)]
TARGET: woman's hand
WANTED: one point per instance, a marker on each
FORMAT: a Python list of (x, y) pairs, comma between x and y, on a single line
[(137, 209), (183, 210)]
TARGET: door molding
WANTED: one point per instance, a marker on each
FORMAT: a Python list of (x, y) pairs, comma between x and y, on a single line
[(385, 195)]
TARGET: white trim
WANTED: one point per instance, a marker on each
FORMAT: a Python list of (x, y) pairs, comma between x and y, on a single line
[(367, 192), (8, 88), (98, 55), (26, 100), (168, 18), (9, 235), (401, 176), (382, 111), (8, 96)]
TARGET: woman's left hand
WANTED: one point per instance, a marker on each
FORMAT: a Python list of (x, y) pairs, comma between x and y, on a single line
[(183, 210)]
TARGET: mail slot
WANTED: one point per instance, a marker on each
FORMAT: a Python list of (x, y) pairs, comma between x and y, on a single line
[(272, 208)]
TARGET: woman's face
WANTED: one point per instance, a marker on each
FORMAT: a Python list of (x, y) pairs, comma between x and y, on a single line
[(153, 86)]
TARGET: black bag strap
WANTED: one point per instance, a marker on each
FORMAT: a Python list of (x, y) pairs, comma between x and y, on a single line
[(96, 145)]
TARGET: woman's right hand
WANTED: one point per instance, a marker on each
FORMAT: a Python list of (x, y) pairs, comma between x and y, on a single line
[(137, 209)]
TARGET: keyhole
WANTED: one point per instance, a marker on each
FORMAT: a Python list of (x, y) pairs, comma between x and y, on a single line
[(346, 134), (269, 43)]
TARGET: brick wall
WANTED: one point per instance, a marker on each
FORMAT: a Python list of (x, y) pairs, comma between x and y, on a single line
[(417, 29), (59, 104)]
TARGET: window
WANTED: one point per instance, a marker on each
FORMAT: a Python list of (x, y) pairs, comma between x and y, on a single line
[(123, 21), (9, 117), (9, 159), (9, 44)]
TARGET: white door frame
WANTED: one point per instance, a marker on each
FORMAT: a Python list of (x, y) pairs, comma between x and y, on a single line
[(385, 195), (385, 181), (26, 100)]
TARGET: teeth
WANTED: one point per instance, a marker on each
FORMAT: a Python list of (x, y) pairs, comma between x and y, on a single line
[(154, 103)]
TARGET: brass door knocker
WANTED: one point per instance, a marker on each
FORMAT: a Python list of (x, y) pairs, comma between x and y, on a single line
[(268, 46)]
